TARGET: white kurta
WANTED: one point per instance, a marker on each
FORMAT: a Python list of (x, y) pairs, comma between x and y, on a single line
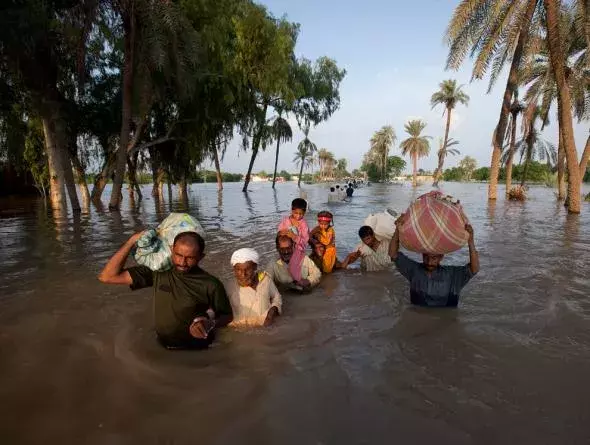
[(374, 260), (250, 306), (279, 272)]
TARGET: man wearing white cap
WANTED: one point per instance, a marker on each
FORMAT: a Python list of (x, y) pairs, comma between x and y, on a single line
[(253, 295)]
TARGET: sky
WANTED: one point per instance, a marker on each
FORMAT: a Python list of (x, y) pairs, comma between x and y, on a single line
[(394, 55)]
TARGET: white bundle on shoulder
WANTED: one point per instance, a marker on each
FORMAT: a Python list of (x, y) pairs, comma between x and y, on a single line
[(383, 224)]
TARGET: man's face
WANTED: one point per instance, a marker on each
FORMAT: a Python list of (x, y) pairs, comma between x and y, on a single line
[(285, 250), (245, 273), (369, 240), (319, 249), (185, 256), (431, 262)]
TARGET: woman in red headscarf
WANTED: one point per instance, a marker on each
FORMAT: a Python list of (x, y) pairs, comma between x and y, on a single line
[(324, 234)]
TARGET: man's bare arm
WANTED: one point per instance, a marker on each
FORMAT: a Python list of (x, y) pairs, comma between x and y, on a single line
[(394, 243), (473, 254), (113, 272)]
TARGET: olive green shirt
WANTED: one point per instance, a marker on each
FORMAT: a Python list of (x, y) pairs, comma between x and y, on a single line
[(181, 297)]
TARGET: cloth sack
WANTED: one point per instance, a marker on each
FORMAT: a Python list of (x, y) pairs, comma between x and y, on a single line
[(383, 224), (435, 224), (153, 248)]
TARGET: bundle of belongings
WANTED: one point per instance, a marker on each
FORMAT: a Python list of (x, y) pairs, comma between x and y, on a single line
[(153, 249), (434, 224), (383, 224)]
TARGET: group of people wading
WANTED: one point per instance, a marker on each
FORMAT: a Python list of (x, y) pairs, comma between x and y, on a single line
[(190, 304)]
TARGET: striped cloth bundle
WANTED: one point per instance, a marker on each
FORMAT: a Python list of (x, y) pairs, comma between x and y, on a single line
[(434, 224)]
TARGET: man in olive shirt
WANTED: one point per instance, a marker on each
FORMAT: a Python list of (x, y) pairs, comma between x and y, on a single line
[(430, 283), (185, 297)]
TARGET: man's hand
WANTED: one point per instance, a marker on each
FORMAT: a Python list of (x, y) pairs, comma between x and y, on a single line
[(200, 327), (272, 313), (400, 220), (113, 272), (469, 230)]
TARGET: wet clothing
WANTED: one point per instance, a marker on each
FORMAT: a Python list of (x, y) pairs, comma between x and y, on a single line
[(374, 260), (441, 288), (349, 192), (280, 272), (250, 306), (328, 239), (300, 244), (179, 298)]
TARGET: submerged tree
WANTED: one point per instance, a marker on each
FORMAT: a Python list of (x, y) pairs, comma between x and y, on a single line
[(381, 142), (416, 146), (305, 154)]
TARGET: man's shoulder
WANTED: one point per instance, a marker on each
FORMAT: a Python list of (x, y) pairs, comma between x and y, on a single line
[(203, 276)]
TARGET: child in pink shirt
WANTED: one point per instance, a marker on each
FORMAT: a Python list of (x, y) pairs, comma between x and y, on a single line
[(295, 227)]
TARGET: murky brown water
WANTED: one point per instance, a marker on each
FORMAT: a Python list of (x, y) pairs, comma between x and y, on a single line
[(350, 363)]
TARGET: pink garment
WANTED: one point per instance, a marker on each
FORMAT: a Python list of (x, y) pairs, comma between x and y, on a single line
[(300, 245)]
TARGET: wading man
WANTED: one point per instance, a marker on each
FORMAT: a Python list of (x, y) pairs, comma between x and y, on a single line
[(430, 283), (188, 302)]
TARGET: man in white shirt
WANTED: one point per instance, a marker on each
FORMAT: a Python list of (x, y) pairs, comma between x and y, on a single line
[(279, 269), (254, 298), (374, 254)]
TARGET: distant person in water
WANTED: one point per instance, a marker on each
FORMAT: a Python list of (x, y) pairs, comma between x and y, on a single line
[(349, 190), (295, 227), (188, 302), (280, 270), (374, 254), (332, 195), (254, 298), (430, 283)]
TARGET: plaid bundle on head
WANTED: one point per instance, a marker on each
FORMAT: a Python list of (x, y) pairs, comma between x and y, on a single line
[(435, 225)]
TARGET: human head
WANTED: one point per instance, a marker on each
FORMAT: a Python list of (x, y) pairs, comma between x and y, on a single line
[(338, 187), (245, 262), (325, 219), (188, 249), (284, 246), (431, 261), (318, 248), (298, 208), (367, 235), (332, 189)]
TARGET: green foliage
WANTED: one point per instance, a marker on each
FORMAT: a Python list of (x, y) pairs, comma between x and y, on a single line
[(468, 166), (211, 176), (381, 142), (285, 174), (449, 95), (481, 174), (416, 145), (453, 174), (34, 156), (395, 166)]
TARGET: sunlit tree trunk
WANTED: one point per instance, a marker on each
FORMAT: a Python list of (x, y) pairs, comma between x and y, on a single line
[(81, 179), (57, 197), (441, 159), (584, 159), (255, 145), (300, 173), (510, 159), (132, 175), (564, 104), (561, 186), (217, 167), (511, 86), (121, 159), (415, 170)]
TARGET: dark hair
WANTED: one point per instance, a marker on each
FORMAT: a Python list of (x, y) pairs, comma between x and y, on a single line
[(282, 238), (332, 189), (337, 186), (350, 184), (299, 203), (192, 236), (365, 231)]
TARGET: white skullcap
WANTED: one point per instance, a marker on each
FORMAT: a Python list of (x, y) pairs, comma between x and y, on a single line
[(244, 255)]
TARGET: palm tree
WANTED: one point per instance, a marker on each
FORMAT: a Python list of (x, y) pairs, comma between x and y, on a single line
[(538, 76), (495, 32), (416, 146), (444, 151), (448, 95), (516, 108), (381, 142), (304, 157), (283, 133), (323, 158)]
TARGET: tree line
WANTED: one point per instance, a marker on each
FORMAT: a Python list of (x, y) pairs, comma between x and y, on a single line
[(129, 86)]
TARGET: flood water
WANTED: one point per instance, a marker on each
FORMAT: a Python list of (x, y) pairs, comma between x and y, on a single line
[(351, 363)]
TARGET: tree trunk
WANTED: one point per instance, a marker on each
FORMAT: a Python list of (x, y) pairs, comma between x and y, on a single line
[(561, 187), (81, 179), (57, 196), (564, 105), (255, 144), (527, 160), (217, 168), (584, 159), (441, 159), (121, 159), (510, 159), (300, 173), (169, 189), (183, 190), (274, 175), (511, 86), (158, 178), (415, 170), (101, 180), (132, 175), (439, 169)]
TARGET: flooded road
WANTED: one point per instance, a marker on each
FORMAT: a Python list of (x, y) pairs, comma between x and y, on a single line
[(351, 363)]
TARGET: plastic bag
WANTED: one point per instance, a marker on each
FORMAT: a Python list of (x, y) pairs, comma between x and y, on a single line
[(434, 224), (153, 247)]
